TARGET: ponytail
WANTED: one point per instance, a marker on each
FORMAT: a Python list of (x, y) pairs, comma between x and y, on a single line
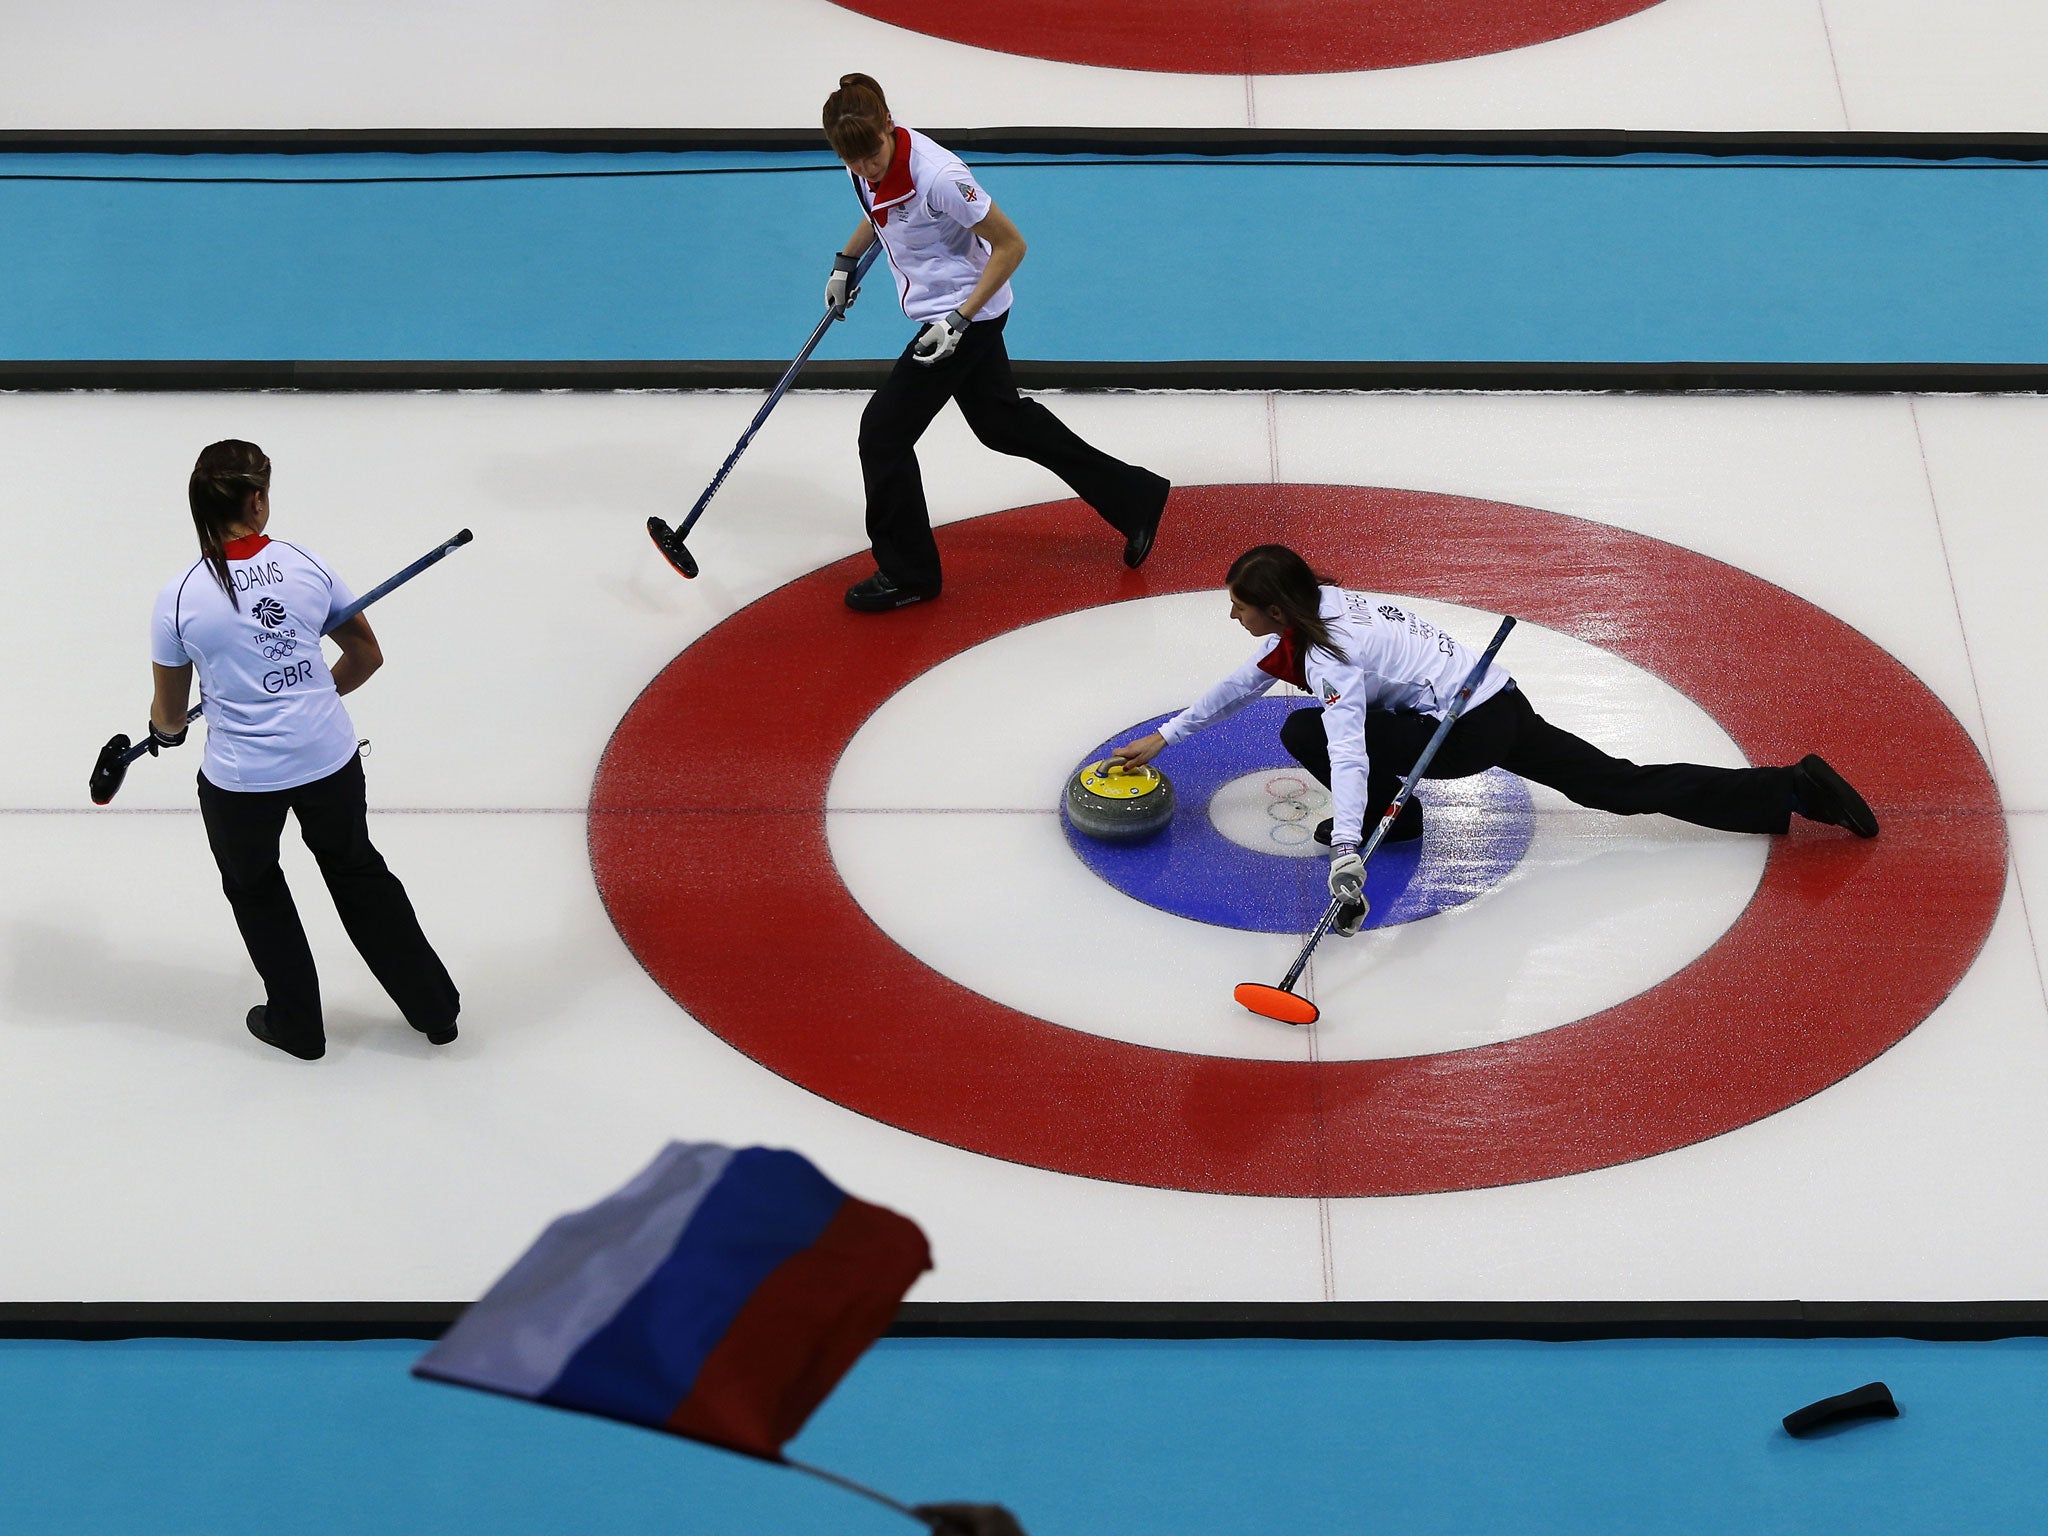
[(856, 117), (1274, 576), (223, 480)]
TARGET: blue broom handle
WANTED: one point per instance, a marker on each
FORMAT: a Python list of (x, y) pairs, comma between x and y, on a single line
[(835, 312), (386, 588)]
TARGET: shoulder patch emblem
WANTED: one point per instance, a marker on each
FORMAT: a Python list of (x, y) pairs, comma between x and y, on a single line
[(1330, 693), (967, 190)]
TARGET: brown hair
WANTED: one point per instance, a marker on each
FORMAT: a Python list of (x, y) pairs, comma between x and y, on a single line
[(227, 474), (1274, 576), (856, 117)]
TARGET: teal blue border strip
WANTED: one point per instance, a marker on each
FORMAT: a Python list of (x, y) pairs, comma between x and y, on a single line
[(1626, 260), (1142, 1439)]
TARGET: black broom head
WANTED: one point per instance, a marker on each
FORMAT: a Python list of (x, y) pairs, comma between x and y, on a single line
[(110, 770), (671, 546)]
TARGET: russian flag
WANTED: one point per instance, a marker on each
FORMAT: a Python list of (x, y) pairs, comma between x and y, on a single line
[(719, 1296)]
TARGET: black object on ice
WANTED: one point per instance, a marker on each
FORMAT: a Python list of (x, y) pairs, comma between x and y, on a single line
[(1872, 1401)]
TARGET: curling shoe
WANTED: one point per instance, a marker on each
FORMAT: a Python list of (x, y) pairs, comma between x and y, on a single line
[(259, 1026), (440, 1034), (1139, 544), (1406, 828), (878, 594), (1824, 795)]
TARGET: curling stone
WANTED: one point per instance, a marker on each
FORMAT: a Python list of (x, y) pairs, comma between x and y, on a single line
[(1117, 804)]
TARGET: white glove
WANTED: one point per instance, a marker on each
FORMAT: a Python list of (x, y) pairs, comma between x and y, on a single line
[(1347, 885), (936, 341), (839, 290)]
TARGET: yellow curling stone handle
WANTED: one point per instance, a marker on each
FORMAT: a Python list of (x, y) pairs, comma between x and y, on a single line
[(1113, 781)]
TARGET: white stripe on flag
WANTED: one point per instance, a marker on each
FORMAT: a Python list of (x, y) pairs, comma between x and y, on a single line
[(576, 1278)]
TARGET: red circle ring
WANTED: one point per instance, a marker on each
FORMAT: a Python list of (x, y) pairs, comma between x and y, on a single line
[(1228, 37), (1844, 947)]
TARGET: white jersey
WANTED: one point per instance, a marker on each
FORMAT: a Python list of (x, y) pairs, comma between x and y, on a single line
[(1395, 660), (925, 210), (273, 719)]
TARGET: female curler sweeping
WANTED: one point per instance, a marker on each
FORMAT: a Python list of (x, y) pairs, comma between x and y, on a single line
[(248, 615), (951, 251), (1384, 677)]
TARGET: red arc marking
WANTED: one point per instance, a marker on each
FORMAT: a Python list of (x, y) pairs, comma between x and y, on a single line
[(1843, 949), (1229, 37)]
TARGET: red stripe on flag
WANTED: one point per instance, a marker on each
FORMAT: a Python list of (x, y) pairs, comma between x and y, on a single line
[(802, 1330)]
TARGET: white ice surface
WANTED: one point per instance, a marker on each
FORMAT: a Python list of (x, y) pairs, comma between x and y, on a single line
[(1683, 65), (156, 1152)]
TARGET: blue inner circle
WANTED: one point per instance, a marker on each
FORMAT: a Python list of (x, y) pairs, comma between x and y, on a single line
[(1474, 832)]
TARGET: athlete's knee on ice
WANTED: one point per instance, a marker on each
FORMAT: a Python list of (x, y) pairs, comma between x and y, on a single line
[(1302, 728)]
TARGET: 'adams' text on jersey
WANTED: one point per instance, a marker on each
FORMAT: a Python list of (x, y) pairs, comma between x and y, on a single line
[(247, 574)]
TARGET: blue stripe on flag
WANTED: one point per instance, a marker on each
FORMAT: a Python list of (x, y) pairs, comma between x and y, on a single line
[(576, 1278), (767, 1206)]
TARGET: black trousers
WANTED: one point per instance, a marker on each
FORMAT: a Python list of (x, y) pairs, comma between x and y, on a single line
[(1506, 732), (978, 377), (243, 827)]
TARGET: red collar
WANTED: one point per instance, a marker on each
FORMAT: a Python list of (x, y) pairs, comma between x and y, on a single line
[(248, 547), (895, 186), (1283, 663)]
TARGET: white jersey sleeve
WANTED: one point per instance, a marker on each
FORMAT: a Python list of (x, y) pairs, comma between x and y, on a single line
[(1343, 689), (166, 645), (1248, 682), (956, 194)]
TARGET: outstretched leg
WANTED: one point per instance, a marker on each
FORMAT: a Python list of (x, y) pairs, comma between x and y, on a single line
[(1127, 497), (1729, 799), (1507, 732)]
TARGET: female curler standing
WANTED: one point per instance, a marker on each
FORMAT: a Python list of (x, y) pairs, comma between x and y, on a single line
[(952, 252), (248, 614), (1382, 678)]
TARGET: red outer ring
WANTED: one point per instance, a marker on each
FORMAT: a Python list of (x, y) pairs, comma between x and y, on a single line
[(1229, 37), (1844, 948)]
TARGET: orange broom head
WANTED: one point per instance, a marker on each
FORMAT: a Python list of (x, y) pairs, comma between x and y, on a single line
[(1274, 1003)]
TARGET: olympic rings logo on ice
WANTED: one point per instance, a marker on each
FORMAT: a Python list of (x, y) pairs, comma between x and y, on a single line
[(1291, 800)]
